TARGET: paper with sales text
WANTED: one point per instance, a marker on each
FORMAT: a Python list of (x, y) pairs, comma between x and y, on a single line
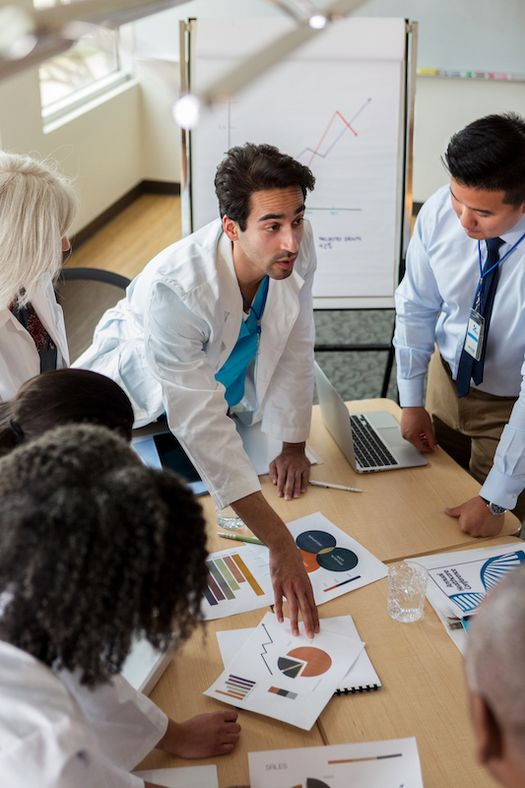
[(286, 677), (380, 764)]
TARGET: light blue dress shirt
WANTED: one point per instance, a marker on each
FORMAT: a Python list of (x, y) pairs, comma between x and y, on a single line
[(433, 303)]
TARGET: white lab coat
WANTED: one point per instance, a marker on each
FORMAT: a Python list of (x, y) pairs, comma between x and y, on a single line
[(19, 359), (54, 733), (175, 329)]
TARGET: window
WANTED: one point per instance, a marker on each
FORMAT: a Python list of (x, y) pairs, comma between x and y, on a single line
[(76, 74)]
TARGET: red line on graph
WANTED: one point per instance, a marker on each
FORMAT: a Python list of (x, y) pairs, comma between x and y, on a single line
[(336, 114), (347, 126)]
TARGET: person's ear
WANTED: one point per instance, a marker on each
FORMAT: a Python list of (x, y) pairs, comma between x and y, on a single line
[(487, 731), (231, 228), (66, 244)]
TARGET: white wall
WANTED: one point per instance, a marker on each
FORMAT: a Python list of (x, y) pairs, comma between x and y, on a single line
[(443, 106), (100, 148), (117, 142)]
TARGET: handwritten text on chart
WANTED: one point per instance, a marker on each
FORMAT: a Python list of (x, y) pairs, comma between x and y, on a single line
[(330, 241)]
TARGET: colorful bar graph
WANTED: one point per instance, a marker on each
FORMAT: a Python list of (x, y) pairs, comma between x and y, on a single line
[(237, 687), (215, 572), (248, 575), (226, 574)]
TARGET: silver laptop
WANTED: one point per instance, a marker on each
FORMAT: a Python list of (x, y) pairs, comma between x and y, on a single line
[(371, 441)]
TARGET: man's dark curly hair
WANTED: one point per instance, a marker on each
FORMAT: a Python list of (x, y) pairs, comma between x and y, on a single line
[(95, 548), (251, 168), (489, 154)]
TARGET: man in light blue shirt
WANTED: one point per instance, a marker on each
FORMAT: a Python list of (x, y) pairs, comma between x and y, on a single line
[(464, 290)]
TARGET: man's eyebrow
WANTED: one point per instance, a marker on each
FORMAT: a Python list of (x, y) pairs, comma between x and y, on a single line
[(268, 216), (470, 207)]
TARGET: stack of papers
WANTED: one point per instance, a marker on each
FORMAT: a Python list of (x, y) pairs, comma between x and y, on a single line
[(361, 677), (285, 677)]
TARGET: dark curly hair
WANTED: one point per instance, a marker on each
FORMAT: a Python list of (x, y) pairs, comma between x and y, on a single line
[(64, 396), (489, 154), (95, 548), (251, 168)]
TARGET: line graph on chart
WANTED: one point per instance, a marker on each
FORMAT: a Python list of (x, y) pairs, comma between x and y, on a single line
[(338, 126)]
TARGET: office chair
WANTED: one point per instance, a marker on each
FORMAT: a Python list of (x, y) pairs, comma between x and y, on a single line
[(84, 295)]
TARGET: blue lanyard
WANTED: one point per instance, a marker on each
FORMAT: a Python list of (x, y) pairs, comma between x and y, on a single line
[(483, 274)]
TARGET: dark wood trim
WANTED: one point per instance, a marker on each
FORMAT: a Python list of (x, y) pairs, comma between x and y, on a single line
[(160, 187), (144, 187)]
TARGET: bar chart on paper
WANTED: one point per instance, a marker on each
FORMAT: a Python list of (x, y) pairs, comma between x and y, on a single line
[(238, 580)]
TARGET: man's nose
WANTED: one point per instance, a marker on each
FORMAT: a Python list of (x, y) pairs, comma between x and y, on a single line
[(290, 240)]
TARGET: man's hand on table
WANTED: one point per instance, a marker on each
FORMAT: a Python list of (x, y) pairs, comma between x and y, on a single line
[(416, 427), (290, 471), (475, 518)]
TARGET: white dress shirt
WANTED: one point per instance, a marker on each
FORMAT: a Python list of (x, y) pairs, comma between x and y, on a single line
[(55, 733), (433, 303)]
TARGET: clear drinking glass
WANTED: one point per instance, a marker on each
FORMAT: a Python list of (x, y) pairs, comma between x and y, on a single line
[(407, 584), (228, 519)]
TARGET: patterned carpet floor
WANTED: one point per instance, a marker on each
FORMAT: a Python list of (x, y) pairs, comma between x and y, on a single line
[(356, 374)]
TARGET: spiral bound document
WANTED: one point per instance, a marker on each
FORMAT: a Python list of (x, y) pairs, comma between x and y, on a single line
[(361, 677)]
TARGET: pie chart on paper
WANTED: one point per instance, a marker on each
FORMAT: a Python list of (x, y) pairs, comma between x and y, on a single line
[(312, 782), (305, 661)]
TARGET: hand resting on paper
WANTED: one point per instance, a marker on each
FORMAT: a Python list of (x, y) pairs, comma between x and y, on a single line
[(289, 577)]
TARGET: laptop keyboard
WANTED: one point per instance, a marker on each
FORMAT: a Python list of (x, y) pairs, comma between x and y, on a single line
[(369, 449)]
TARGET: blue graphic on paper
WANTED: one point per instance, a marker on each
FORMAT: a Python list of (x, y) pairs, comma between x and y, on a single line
[(492, 571)]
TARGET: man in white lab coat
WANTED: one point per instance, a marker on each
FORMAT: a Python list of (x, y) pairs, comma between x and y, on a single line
[(221, 323)]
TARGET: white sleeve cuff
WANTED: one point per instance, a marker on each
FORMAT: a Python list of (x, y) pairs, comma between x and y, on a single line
[(411, 392), (501, 489)]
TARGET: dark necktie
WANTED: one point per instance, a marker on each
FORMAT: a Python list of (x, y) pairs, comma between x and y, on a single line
[(468, 366)]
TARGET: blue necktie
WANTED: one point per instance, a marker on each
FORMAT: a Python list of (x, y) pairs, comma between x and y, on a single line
[(468, 366)]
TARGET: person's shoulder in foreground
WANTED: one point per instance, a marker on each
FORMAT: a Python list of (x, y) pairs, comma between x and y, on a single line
[(494, 661), (88, 541)]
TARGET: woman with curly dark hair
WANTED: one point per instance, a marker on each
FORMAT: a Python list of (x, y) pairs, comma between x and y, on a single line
[(89, 544)]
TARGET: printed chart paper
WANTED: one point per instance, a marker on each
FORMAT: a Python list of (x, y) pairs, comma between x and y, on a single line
[(238, 580), (361, 676), (286, 677), (196, 776), (380, 764), (335, 562), (459, 581)]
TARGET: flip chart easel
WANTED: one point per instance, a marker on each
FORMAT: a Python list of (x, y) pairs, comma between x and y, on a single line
[(343, 105)]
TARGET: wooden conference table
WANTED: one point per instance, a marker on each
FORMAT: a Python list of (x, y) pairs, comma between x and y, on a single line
[(400, 514)]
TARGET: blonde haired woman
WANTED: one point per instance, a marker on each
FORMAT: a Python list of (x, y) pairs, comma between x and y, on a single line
[(37, 206)]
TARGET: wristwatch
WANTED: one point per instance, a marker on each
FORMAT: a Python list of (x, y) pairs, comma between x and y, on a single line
[(493, 508)]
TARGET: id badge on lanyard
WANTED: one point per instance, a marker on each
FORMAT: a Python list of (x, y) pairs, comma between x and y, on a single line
[(475, 334)]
